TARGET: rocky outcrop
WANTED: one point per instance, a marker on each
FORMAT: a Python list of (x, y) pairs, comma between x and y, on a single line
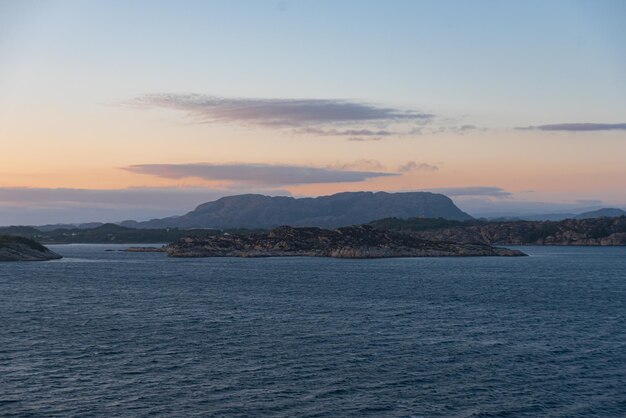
[(348, 242), (598, 231), (23, 249)]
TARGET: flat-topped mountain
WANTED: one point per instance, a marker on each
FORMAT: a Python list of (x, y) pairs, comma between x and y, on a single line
[(347, 242), (341, 209), (23, 249)]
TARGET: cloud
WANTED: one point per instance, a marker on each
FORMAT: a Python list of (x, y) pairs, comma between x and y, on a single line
[(533, 210), (362, 164), (363, 139), (38, 206), (358, 135), (415, 166), (465, 128), (85, 198), (347, 132), (577, 127), (496, 192), (277, 112), (256, 174)]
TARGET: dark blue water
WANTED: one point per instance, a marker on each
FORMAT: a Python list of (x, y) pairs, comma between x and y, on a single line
[(112, 333)]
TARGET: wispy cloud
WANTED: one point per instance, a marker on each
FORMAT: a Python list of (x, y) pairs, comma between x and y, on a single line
[(358, 135), (577, 127), (465, 128), (415, 166), (127, 198), (278, 112), (362, 164), (364, 138), (256, 174), (347, 132), (473, 191)]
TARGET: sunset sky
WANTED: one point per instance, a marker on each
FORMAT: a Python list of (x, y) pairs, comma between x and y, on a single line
[(113, 110)]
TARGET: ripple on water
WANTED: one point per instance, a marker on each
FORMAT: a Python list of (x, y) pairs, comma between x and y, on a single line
[(114, 333)]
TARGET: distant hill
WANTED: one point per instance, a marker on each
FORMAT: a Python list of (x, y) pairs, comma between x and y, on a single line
[(106, 233), (54, 227), (534, 217), (560, 216), (608, 212), (591, 231), (342, 209)]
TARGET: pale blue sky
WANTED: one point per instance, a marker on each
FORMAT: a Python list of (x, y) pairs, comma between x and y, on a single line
[(502, 62), (89, 89)]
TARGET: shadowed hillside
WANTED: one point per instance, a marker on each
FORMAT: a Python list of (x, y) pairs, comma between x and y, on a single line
[(342, 209), (596, 231), (15, 248)]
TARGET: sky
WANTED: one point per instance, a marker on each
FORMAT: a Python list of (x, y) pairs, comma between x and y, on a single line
[(113, 110)]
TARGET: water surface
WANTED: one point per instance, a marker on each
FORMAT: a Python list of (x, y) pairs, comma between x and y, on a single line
[(114, 333)]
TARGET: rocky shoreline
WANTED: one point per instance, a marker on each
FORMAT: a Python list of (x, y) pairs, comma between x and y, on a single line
[(23, 249), (348, 242), (144, 250), (569, 232)]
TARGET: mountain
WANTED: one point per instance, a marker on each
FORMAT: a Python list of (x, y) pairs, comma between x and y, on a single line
[(342, 209), (581, 213), (608, 212)]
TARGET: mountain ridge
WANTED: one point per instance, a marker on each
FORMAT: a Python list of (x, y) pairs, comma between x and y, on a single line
[(337, 210), (603, 231)]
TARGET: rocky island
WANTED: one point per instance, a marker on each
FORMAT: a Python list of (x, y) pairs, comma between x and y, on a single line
[(348, 242), (602, 231), (24, 249)]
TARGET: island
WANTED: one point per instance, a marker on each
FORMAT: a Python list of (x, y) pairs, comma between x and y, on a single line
[(603, 231), (23, 249), (349, 242)]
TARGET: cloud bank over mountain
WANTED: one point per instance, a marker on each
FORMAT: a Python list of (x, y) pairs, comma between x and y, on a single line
[(38, 206), (488, 191), (256, 174)]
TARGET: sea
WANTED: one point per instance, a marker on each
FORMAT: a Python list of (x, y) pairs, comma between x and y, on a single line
[(112, 333)]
